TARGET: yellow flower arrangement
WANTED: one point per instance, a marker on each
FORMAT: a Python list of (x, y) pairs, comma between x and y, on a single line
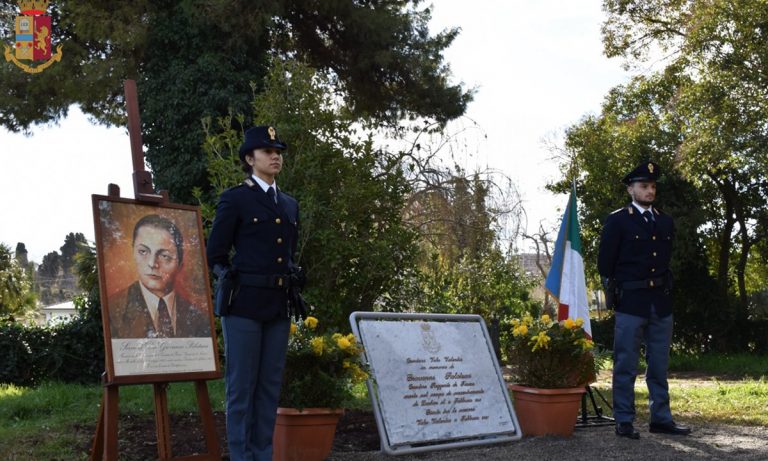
[(549, 354), (320, 368)]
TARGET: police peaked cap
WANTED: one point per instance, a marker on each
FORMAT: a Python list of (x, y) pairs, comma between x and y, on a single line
[(648, 171), (260, 137)]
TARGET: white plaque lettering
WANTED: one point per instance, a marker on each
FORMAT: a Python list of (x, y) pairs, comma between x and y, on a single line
[(436, 380)]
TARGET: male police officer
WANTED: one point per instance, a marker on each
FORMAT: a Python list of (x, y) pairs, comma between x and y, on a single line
[(635, 250), (261, 222)]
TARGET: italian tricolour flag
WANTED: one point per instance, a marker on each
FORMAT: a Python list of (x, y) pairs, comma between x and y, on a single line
[(565, 281)]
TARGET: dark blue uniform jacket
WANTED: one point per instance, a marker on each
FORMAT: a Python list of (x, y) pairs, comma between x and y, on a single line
[(264, 236), (630, 251)]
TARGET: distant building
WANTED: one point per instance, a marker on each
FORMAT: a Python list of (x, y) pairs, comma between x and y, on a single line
[(528, 262), (57, 313)]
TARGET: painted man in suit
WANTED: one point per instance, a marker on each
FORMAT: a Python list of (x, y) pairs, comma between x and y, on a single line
[(151, 307), (634, 256), (261, 222)]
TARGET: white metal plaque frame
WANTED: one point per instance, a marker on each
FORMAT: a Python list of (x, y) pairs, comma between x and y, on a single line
[(379, 405)]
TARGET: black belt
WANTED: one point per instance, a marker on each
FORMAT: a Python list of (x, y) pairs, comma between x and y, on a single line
[(264, 281), (639, 284)]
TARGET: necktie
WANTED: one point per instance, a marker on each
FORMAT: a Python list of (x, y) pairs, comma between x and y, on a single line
[(271, 193), (164, 320), (649, 219)]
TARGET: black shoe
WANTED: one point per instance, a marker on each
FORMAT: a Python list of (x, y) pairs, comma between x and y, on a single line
[(670, 428), (626, 430)]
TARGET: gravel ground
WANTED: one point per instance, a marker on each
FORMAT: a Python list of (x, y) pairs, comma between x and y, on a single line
[(711, 442)]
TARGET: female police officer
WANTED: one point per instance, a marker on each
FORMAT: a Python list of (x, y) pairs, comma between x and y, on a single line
[(261, 223)]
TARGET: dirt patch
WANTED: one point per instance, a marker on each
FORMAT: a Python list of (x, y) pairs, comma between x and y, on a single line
[(355, 433)]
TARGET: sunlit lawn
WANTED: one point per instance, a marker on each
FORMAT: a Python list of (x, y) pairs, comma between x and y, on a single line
[(727, 389), (707, 400)]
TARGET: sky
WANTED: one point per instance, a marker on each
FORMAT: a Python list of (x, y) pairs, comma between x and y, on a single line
[(536, 65)]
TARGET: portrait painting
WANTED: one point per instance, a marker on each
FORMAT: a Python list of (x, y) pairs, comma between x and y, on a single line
[(156, 302)]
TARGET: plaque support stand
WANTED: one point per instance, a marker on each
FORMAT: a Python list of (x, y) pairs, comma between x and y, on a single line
[(598, 418), (105, 443)]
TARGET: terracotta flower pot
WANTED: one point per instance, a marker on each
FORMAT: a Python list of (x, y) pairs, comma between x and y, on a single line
[(305, 435), (547, 411)]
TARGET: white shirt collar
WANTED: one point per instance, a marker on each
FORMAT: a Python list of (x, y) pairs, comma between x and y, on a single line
[(641, 209), (153, 300), (263, 184)]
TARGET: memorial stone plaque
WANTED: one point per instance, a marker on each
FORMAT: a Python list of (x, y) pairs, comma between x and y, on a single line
[(436, 380)]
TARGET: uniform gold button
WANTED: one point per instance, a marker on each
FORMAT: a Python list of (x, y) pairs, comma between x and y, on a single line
[(654, 237), (279, 240), (277, 221), (637, 237), (654, 253), (255, 219), (650, 283), (653, 269), (279, 260)]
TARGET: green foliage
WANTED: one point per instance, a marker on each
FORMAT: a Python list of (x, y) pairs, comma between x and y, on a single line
[(195, 58), (16, 296), (492, 286), (638, 122), (16, 364), (353, 243), (711, 100), (320, 369), (461, 267), (603, 331), (733, 366), (71, 352)]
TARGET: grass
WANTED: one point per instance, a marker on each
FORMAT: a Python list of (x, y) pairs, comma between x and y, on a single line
[(743, 402), (56, 421), (714, 388)]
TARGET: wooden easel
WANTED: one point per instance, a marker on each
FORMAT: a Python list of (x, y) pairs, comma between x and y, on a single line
[(105, 442)]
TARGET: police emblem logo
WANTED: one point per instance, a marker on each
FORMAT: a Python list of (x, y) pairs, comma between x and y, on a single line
[(429, 340), (650, 168), (33, 38), (272, 133)]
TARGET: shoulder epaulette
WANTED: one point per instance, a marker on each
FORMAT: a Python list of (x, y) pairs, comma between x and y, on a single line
[(628, 209), (657, 211), (249, 182), (234, 187)]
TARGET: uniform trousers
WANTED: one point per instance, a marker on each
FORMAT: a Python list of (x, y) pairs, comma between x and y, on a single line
[(656, 333), (255, 353)]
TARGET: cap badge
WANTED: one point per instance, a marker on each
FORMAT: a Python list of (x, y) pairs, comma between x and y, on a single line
[(650, 167), (272, 133)]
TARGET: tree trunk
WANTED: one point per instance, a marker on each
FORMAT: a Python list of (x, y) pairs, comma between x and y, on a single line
[(741, 265), (726, 243)]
